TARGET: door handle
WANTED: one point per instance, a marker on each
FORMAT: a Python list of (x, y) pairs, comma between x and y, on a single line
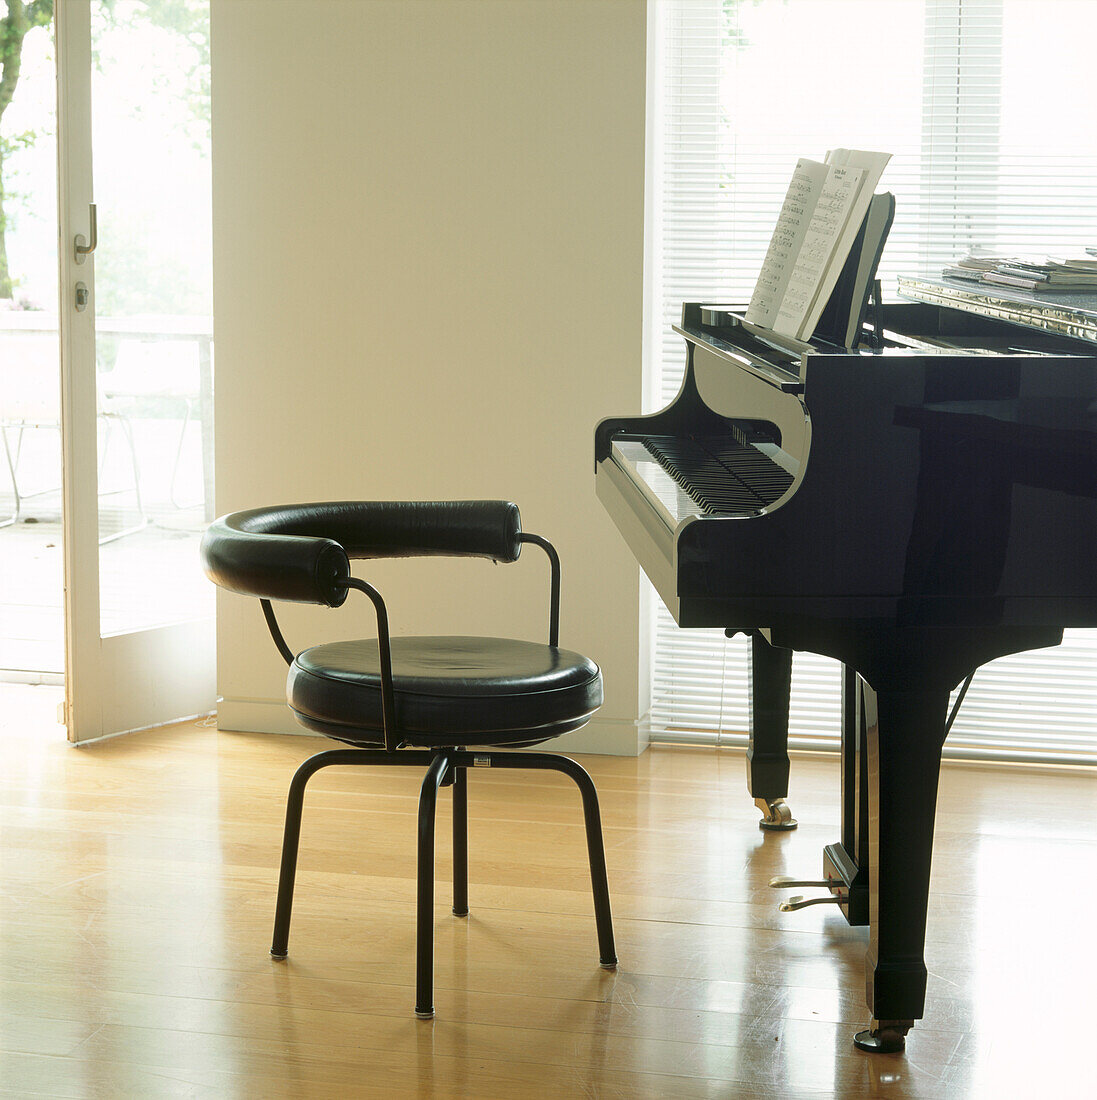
[(84, 248)]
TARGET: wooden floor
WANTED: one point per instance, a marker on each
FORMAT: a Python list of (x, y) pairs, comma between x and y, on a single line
[(138, 881)]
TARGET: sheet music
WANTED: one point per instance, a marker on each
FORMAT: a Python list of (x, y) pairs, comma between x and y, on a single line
[(819, 221), (827, 224), (797, 213), (872, 167)]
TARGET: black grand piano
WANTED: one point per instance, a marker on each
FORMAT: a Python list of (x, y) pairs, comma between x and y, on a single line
[(914, 509)]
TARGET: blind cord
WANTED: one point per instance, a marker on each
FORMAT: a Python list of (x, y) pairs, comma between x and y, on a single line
[(959, 700)]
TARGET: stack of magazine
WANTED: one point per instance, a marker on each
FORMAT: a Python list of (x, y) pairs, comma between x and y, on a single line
[(1054, 274), (828, 223)]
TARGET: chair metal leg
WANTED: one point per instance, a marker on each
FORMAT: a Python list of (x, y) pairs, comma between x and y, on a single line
[(424, 903), (460, 844), (445, 765), (12, 464), (595, 849), (142, 520), (291, 838), (179, 453)]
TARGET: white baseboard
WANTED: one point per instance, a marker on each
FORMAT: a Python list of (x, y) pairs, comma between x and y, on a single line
[(257, 716), (603, 736)]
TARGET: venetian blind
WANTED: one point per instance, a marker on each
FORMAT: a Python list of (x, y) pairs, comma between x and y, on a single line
[(987, 108)]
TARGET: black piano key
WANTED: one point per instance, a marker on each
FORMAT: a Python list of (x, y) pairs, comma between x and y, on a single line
[(721, 474)]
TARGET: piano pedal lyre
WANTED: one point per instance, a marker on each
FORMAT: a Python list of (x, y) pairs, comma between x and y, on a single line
[(784, 882), (775, 814)]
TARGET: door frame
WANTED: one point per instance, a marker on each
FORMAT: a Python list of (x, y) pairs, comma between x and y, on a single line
[(79, 443)]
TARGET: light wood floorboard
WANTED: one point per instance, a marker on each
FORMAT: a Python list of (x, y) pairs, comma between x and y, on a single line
[(137, 881)]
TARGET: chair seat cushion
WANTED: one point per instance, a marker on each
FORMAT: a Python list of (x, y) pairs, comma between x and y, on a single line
[(449, 690)]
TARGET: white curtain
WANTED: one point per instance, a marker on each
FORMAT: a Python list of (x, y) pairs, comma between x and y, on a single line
[(988, 107)]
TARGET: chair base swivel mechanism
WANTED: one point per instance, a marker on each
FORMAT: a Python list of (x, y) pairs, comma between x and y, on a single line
[(444, 703)]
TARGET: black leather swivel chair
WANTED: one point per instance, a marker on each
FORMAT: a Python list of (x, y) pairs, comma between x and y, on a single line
[(435, 701)]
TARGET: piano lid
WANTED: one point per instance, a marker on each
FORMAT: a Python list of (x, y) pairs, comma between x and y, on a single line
[(1062, 313)]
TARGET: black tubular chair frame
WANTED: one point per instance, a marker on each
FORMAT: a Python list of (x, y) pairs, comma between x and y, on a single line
[(446, 766)]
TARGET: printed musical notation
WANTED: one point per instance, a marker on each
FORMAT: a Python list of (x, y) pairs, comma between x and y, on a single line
[(827, 222), (787, 242), (818, 223)]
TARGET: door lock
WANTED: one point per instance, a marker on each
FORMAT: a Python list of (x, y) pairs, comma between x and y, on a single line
[(81, 297)]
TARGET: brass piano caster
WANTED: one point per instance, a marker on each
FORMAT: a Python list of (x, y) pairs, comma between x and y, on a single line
[(784, 882), (883, 1036), (775, 814)]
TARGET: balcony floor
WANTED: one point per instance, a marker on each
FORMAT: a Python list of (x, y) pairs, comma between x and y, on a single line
[(133, 569)]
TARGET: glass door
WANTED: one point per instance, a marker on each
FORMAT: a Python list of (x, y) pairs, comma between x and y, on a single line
[(31, 616), (137, 360)]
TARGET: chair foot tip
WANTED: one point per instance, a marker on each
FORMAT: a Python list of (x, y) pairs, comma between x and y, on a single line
[(279, 955), (460, 912), (427, 1015), (608, 965)]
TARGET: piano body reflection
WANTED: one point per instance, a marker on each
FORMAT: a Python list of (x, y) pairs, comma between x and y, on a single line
[(914, 510)]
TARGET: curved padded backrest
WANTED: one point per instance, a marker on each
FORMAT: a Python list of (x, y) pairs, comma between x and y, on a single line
[(298, 551)]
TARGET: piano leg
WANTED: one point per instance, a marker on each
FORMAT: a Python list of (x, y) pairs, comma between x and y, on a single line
[(904, 732), (767, 751)]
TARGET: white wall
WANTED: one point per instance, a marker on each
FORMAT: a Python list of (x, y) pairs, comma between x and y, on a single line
[(428, 221)]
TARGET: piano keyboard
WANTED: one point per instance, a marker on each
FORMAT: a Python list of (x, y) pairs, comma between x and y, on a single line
[(720, 475)]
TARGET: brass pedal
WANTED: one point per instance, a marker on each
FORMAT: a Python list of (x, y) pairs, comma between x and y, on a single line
[(798, 902), (785, 882)]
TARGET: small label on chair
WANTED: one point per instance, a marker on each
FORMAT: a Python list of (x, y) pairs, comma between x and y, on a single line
[(481, 761)]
